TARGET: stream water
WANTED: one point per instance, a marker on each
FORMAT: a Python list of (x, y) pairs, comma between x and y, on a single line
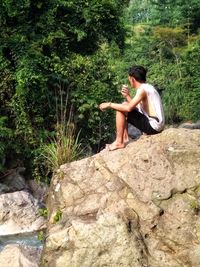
[(26, 239)]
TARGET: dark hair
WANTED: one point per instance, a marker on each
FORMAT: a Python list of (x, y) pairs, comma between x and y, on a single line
[(138, 72)]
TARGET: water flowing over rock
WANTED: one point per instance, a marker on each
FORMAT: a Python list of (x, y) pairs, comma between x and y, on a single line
[(134, 207)]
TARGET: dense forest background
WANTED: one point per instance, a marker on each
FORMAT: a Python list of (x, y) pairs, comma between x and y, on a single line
[(59, 59)]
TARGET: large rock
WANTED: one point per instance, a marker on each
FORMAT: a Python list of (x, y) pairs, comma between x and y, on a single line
[(133, 132), (20, 256), (190, 125), (134, 207), (38, 190), (19, 212), (13, 181)]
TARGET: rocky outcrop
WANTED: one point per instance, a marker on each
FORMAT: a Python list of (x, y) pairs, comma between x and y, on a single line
[(134, 207), (19, 213), (20, 203), (38, 190), (20, 256), (12, 181), (190, 125), (133, 132)]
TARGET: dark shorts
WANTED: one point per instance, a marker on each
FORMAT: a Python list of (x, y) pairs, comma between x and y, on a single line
[(140, 121)]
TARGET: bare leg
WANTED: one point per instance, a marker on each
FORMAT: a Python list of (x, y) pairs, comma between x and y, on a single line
[(120, 128), (126, 138)]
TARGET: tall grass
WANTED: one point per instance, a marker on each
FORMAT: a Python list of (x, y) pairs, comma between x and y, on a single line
[(65, 146)]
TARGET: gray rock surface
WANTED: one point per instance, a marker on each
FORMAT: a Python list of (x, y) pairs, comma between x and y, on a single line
[(19, 212), (20, 256), (13, 181), (191, 125), (133, 132), (134, 207), (38, 190)]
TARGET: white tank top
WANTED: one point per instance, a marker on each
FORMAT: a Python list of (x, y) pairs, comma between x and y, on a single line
[(154, 101)]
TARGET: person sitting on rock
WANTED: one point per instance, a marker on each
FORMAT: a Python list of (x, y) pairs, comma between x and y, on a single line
[(144, 110)]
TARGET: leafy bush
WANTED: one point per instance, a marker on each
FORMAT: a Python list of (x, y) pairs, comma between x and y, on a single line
[(5, 140), (42, 45)]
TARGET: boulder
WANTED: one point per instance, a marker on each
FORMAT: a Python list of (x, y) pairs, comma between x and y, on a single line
[(39, 190), (190, 125), (20, 256), (133, 132), (19, 213), (133, 207), (13, 181)]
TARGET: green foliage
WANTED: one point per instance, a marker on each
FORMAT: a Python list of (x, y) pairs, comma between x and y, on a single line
[(163, 36), (60, 59), (45, 44), (63, 148), (5, 140), (41, 236), (43, 212), (57, 217)]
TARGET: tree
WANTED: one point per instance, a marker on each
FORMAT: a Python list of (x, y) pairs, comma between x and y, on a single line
[(48, 44), (163, 36)]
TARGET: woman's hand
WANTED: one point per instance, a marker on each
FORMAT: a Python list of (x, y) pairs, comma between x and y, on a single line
[(105, 105)]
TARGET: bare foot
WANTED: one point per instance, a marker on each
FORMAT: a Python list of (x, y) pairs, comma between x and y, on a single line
[(114, 146), (126, 141)]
